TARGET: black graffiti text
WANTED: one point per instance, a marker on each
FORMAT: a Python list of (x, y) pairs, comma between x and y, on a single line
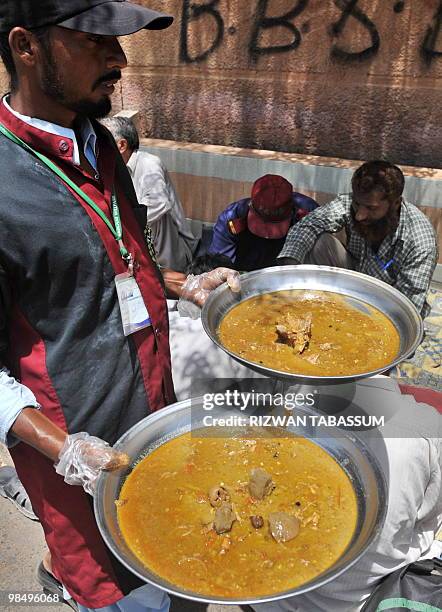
[(263, 22), (350, 9), (194, 12), (351, 14), (429, 50)]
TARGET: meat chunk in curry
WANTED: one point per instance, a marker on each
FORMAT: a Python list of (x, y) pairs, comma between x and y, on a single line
[(283, 527), (295, 331), (224, 518), (218, 495), (317, 333), (260, 483), (257, 521)]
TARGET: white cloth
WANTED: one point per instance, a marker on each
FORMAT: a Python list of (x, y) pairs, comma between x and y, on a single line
[(14, 397), (195, 356), (409, 452), (171, 234)]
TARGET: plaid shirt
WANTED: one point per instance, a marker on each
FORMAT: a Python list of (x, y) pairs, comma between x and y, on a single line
[(406, 260)]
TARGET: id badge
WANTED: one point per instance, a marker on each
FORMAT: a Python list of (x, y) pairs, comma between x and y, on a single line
[(133, 309)]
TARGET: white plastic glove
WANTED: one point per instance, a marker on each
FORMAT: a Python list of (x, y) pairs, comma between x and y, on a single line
[(84, 457), (197, 289)]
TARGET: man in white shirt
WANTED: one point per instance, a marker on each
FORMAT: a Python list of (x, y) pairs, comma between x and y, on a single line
[(174, 242)]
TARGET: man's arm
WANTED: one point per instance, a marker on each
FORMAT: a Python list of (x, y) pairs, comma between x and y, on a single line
[(154, 192), (174, 282), (79, 458), (32, 427), (302, 236), (415, 275), (223, 241), (197, 288)]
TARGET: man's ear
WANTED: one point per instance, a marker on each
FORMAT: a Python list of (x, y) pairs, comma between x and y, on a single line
[(122, 145), (397, 203), (23, 46)]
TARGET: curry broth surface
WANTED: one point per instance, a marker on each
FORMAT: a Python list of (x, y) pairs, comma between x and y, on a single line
[(360, 341), (164, 510)]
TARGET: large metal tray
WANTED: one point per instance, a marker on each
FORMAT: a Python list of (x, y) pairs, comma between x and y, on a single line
[(347, 449), (356, 286)]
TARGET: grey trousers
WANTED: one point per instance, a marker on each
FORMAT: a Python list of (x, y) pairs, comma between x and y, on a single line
[(328, 250)]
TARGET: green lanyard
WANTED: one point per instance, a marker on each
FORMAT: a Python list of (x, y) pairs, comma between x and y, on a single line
[(117, 231)]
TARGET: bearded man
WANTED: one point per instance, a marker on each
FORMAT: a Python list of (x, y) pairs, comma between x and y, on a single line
[(386, 237)]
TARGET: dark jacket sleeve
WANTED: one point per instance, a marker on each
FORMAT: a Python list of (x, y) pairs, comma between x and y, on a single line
[(224, 242), (304, 203)]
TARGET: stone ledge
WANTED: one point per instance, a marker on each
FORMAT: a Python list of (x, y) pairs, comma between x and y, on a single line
[(309, 160)]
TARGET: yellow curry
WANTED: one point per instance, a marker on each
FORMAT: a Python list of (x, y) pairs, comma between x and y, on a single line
[(237, 517), (314, 333)]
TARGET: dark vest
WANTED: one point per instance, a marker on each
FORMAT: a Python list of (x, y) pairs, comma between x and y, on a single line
[(65, 333), (254, 253), (61, 335)]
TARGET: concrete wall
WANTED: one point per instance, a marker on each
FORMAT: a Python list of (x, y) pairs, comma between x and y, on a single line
[(343, 78), (348, 79), (209, 177)]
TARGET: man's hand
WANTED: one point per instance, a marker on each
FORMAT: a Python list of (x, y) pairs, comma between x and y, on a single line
[(80, 458), (84, 457), (174, 282), (197, 289)]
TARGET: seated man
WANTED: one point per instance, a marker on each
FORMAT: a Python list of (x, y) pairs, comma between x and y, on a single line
[(172, 237), (252, 231), (387, 237)]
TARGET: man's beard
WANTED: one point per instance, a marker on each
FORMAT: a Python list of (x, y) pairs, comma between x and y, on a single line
[(376, 231), (53, 86)]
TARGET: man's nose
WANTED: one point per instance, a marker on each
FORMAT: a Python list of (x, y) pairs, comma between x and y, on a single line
[(361, 214), (116, 57)]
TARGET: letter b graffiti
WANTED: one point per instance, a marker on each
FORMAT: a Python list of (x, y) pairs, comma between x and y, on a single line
[(262, 22), (194, 12)]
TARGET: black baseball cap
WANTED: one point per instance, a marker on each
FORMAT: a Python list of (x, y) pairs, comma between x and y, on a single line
[(101, 17)]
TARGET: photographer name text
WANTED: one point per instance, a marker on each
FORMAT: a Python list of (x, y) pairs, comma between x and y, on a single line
[(292, 420)]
